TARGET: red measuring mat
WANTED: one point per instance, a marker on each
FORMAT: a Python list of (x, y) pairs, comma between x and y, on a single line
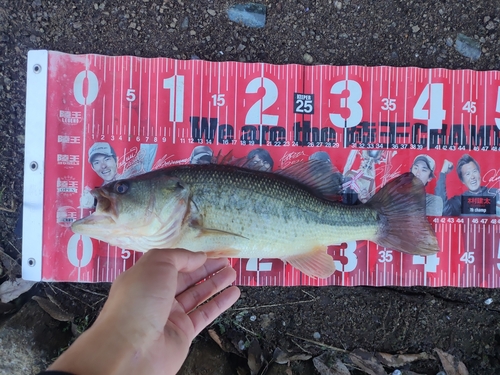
[(92, 119)]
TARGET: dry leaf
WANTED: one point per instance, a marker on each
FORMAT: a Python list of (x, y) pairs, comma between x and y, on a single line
[(367, 362), (255, 357), (281, 357), (215, 337), (53, 310), (451, 365), (10, 290), (327, 365), (398, 360)]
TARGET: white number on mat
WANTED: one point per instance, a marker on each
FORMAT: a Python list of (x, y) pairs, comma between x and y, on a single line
[(351, 103), (92, 87), (255, 114), (352, 259), (86, 250), (176, 86), (435, 114)]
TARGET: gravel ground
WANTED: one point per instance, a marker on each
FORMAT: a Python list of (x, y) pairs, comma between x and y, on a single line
[(364, 32)]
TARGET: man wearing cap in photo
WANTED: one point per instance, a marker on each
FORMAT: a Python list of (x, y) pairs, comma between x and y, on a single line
[(201, 155), (423, 168), (103, 160), (470, 174)]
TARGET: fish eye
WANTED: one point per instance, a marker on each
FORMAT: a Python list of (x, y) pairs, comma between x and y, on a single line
[(121, 187)]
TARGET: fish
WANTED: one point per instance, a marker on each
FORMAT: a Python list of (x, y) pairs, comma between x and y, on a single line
[(227, 210)]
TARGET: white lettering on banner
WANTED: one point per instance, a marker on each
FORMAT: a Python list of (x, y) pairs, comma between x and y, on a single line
[(92, 87), (254, 264), (70, 117), (176, 86), (86, 250), (388, 104), (254, 115), (470, 106), (468, 257), (63, 159), (435, 115), (72, 139), (430, 262), (67, 186), (352, 259), (385, 256), (218, 100), (125, 254), (352, 104), (130, 95)]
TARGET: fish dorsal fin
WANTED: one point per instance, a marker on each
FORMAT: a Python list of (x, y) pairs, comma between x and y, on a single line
[(322, 177), (316, 263), (226, 159)]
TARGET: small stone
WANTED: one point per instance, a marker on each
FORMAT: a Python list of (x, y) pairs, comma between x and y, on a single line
[(241, 47), (96, 6), (185, 23), (468, 47), (338, 5), (132, 25), (490, 25), (316, 335), (251, 14), (488, 301), (415, 29), (192, 32), (253, 318), (77, 25), (211, 12), (308, 58), (486, 19)]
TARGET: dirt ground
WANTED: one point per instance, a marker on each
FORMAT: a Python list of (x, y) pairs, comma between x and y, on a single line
[(299, 320)]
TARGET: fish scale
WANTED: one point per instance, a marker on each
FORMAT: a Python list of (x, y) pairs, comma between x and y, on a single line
[(283, 216)]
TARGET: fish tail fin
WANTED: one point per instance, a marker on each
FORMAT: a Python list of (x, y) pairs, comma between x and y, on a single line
[(403, 224)]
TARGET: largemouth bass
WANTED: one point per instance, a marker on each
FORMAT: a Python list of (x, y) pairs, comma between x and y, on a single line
[(229, 211)]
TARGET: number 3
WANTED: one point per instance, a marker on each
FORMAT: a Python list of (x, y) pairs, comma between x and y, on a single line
[(352, 103)]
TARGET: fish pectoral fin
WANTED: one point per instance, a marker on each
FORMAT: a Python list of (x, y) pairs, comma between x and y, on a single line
[(215, 232), (223, 253), (316, 263)]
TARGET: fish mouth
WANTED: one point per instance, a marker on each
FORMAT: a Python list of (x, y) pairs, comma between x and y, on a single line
[(92, 223), (102, 219)]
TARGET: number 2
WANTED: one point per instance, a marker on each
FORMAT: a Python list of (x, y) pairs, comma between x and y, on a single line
[(254, 115)]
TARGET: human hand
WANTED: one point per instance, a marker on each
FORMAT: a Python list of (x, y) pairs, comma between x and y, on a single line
[(447, 167), (152, 314)]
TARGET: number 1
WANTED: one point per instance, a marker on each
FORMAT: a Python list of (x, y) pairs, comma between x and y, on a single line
[(176, 86)]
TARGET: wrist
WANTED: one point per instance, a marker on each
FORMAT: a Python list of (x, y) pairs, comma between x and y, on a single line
[(98, 351)]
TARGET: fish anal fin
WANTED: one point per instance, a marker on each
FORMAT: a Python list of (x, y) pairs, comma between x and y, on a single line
[(223, 253), (316, 263)]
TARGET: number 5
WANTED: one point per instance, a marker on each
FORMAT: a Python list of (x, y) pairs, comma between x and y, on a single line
[(130, 95)]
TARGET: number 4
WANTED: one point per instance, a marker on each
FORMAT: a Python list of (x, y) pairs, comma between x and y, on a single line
[(435, 115)]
